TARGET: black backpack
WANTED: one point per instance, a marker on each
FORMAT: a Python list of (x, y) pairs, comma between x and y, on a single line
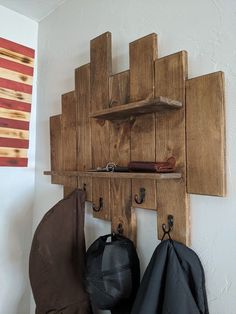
[(112, 273)]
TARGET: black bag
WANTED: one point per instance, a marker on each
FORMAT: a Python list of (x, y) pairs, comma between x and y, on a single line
[(112, 273)]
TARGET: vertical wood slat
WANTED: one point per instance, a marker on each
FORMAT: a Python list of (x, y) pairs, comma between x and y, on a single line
[(172, 199), (143, 52), (122, 212), (56, 148), (120, 203), (69, 136), (84, 158), (100, 71), (206, 135)]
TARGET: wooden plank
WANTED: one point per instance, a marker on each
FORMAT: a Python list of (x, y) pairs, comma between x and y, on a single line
[(118, 175), (14, 133), (10, 94), (16, 76), (119, 88), (100, 71), (121, 210), (13, 152), (84, 155), (206, 135), (136, 108), (56, 148), (14, 114), (142, 53), (69, 136), (120, 129), (170, 76), (16, 57)]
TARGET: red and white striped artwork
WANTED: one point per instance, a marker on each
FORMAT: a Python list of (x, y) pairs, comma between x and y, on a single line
[(16, 79)]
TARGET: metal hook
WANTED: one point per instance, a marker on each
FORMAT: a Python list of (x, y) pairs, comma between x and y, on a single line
[(139, 199), (167, 230), (100, 205), (84, 187), (120, 228)]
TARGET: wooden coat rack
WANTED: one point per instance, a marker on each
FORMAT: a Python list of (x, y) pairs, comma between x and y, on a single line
[(147, 113)]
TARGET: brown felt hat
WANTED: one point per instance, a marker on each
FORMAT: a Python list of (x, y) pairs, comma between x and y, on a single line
[(57, 259)]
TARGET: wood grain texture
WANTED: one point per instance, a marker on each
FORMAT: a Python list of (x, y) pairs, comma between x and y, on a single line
[(14, 114), (84, 156), (13, 152), (56, 148), (69, 136), (16, 57), (206, 135), (121, 210), (118, 175), (16, 76), (14, 133), (120, 129), (170, 77), (141, 107), (119, 88), (100, 71), (10, 94), (142, 53)]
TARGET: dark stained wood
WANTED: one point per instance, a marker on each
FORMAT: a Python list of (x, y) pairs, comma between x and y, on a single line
[(56, 148), (100, 71), (206, 135), (120, 175), (142, 53), (69, 136), (121, 210), (170, 76), (137, 108), (84, 156)]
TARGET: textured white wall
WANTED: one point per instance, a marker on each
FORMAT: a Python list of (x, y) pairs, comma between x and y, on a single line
[(206, 29), (17, 193)]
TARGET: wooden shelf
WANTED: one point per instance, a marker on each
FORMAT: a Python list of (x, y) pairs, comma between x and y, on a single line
[(137, 108), (124, 175)]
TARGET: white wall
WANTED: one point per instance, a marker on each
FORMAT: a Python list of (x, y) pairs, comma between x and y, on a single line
[(17, 193), (206, 29)]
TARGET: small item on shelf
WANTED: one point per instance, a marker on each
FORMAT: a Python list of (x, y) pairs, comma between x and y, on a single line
[(147, 166), (110, 167)]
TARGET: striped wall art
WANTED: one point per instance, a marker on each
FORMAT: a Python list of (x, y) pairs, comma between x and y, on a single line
[(16, 79)]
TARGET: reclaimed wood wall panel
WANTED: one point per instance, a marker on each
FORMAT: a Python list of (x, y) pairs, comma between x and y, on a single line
[(84, 156), (206, 135), (16, 80), (143, 53), (56, 148), (172, 199), (100, 71), (69, 136)]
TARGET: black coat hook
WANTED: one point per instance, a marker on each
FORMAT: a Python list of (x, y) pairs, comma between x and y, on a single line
[(139, 199), (167, 229), (120, 228), (97, 209)]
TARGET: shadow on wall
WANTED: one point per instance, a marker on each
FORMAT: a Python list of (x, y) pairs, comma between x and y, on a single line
[(15, 242)]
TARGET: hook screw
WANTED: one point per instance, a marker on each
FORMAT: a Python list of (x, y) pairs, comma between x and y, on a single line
[(139, 199), (97, 209)]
